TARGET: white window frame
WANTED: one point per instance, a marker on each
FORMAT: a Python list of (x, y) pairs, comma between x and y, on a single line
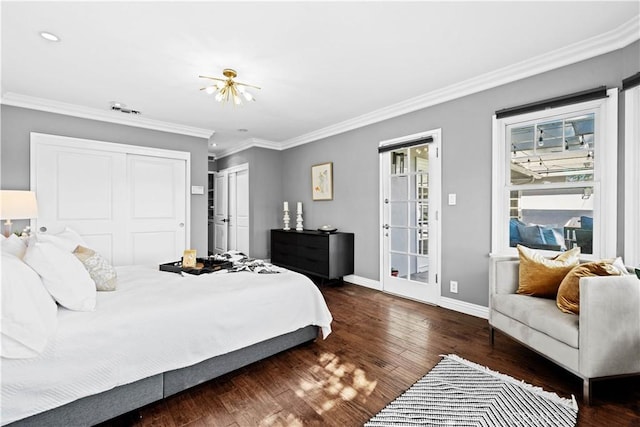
[(604, 180), (632, 176)]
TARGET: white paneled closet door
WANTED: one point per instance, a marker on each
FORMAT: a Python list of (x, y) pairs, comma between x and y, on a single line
[(78, 188), (156, 216), (128, 203)]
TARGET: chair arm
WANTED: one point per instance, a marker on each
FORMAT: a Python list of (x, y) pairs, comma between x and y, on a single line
[(609, 338), (503, 275)]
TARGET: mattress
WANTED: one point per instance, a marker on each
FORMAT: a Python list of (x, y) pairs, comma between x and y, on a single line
[(155, 322)]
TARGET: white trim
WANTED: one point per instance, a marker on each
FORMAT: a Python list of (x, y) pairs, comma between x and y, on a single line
[(632, 176), (51, 106), (363, 281), (465, 307), (235, 169), (612, 40), (604, 183), (92, 144), (249, 143), (444, 302), (608, 193)]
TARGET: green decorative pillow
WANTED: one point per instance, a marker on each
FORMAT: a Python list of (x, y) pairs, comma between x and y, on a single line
[(540, 276), (568, 299), (101, 272)]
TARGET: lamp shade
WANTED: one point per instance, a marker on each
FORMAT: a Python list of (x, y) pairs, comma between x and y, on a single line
[(18, 204)]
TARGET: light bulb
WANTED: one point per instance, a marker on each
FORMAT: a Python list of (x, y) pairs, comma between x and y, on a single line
[(210, 89), (220, 85), (248, 96), (219, 97), (240, 88), (237, 100)]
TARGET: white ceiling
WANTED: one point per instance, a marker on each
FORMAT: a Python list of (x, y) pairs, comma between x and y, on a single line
[(320, 64)]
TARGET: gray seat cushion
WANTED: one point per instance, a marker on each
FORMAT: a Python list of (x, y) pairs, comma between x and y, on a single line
[(540, 314)]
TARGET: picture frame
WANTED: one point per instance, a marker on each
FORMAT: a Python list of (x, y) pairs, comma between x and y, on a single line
[(322, 181)]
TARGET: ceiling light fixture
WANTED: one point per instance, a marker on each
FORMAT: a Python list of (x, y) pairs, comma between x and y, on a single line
[(49, 36), (229, 90)]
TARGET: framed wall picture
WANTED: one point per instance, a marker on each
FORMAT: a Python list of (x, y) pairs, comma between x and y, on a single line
[(322, 181)]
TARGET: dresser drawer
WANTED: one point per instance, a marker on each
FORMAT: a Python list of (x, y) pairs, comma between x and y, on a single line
[(311, 252)]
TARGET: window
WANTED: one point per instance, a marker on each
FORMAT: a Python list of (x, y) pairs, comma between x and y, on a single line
[(632, 177), (554, 179)]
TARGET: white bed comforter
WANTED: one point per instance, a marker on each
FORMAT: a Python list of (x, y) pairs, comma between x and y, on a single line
[(155, 322)]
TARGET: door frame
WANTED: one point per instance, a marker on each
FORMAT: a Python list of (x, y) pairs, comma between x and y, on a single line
[(436, 134), (42, 139), (225, 172)]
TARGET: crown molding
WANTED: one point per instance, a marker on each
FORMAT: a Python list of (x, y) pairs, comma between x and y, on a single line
[(246, 144), (51, 106), (603, 43)]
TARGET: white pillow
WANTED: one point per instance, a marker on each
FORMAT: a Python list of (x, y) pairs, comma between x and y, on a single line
[(29, 314), (66, 240), (618, 263), (63, 275), (14, 245)]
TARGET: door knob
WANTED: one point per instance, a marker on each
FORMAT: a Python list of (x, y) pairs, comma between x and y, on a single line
[(43, 229), (386, 226), (181, 225)]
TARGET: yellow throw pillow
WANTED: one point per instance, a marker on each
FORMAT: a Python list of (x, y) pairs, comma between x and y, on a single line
[(568, 299), (540, 276)]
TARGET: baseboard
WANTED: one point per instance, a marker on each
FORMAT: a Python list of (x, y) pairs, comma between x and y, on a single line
[(363, 281), (464, 307), (448, 303)]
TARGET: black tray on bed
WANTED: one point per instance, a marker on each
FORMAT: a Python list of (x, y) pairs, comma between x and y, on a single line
[(203, 266)]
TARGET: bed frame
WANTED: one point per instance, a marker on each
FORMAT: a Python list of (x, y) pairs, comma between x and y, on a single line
[(109, 404)]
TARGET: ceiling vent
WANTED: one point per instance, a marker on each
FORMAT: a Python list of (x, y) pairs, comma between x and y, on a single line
[(118, 106)]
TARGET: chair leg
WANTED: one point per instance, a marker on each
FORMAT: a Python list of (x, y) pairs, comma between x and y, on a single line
[(586, 391), (491, 335)]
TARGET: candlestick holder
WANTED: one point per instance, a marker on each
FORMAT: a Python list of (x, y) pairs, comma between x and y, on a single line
[(286, 220), (299, 221)]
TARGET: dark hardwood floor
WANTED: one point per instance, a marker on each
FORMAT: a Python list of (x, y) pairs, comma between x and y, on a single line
[(380, 345)]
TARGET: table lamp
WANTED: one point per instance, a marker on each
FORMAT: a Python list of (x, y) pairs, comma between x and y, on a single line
[(17, 205)]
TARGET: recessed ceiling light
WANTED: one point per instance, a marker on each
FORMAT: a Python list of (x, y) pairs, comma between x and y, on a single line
[(49, 36)]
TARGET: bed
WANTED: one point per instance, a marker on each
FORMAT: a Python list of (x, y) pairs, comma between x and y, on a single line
[(158, 334)]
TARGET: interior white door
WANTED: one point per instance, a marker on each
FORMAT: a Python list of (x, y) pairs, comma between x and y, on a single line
[(239, 220), (231, 219), (220, 221), (72, 191), (156, 215), (410, 202)]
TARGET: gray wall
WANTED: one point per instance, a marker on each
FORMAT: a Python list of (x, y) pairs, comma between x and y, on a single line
[(17, 123), (265, 194), (466, 170)]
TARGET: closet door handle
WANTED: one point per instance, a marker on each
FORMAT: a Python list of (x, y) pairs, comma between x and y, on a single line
[(181, 225), (43, 229)]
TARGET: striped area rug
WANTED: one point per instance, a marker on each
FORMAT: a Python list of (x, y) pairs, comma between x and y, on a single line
[(457, 392)]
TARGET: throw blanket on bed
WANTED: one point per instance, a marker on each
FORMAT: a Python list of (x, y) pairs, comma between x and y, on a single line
[(155, 322)]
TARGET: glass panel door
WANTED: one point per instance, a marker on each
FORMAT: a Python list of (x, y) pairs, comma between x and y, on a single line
[(408, 233)]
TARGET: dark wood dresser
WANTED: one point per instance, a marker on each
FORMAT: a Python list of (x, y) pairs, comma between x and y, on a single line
[(325, 255)]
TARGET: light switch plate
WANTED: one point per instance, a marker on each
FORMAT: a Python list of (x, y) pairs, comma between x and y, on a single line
[(452, 199), (197, 189)]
